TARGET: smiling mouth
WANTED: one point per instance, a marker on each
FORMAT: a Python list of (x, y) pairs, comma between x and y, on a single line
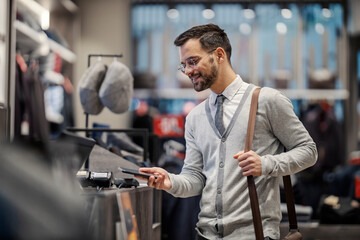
[(195, 78)]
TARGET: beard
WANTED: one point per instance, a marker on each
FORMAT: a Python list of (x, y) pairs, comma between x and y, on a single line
[(207, 79)]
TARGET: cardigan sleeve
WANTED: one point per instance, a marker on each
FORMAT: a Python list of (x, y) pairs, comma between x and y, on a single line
[(191, 181), (289, 130)]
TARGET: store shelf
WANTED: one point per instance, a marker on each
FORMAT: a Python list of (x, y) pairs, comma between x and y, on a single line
[(170, 93), (294, 94), (315, 230), (65, 53), (29, 39), (33, 7), (316, 94)]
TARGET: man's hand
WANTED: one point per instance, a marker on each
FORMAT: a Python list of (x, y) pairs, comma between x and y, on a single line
[(162, 182), (249, 162)]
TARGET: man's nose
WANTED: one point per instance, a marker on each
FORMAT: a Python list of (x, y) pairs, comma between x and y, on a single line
[(188, 70)]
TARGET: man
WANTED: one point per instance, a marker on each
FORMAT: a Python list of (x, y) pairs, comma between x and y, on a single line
[(215, 164)]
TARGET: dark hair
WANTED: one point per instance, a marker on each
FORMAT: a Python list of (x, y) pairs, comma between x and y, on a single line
[(210, 36)]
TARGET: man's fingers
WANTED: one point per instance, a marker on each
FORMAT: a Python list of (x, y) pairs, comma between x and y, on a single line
[(243, 155), (150, 182), (140, 177), (247, 167), (147, 170), (238, 154), (155, 183), (247, 171), (247, 157), (246, 161), (243, 164)]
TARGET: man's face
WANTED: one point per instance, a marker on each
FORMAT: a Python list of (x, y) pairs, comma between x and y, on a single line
[(200, 64)]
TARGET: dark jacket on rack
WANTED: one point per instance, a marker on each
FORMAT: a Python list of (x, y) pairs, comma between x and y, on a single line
[(29, 105)]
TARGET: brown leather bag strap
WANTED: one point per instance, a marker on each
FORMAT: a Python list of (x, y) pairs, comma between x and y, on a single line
[(254, 202), (290, 204), (252, 117), (251, 182)]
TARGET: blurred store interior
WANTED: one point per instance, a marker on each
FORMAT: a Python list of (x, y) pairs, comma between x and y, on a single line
[(309, 50)]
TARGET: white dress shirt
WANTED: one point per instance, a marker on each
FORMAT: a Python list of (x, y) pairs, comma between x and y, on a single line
[(233, 94)]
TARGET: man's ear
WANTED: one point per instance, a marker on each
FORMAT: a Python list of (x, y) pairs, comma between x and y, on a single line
[(220, 54)]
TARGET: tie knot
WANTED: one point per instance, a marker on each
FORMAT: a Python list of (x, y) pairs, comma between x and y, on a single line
[(220, 99)]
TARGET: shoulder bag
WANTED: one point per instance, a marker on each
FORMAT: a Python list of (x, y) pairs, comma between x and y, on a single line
[(294, 233)]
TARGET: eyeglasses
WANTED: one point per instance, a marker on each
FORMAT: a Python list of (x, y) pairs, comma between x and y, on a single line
[(193, 61)]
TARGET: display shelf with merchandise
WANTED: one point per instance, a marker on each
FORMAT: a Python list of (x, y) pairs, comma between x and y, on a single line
[(294, 94), (28, 39)]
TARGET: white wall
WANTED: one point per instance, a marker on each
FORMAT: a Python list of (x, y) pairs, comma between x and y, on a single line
[(104, 28)]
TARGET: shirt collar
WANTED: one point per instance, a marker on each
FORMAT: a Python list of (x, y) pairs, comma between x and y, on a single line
[(229, 91)]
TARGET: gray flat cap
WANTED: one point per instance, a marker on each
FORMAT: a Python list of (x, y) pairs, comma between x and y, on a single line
[(89, 86), (117, 89)]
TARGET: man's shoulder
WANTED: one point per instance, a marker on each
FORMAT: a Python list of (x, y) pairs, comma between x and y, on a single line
[(270, 94), (199, 109), (268, 91), (271, 98)]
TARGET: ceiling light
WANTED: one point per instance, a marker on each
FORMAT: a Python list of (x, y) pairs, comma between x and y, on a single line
[(245, 28), (173, 13), (326, 12), (286, 13), (249, 13), (319, 28), (281, 28), (208, 13)]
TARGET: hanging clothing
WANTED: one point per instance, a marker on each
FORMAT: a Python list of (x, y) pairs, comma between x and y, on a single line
[(323, 127), (325, 130), (30, 120)]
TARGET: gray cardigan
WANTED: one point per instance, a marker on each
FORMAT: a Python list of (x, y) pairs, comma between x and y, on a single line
[(209, 168)]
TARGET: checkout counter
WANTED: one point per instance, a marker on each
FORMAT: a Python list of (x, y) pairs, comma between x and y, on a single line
[(121, 213)]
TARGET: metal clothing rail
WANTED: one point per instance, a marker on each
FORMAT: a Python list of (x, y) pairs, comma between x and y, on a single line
[(131, 131), (103, 55)]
